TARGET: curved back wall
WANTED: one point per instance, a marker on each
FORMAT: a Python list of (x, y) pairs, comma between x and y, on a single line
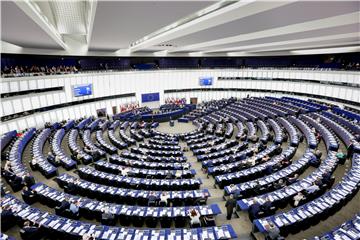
[(107, 86)]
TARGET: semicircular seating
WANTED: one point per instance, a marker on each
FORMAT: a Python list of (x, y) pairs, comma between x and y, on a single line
[(251, 148)]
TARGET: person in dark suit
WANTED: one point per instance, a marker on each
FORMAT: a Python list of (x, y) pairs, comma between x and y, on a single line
[(230, 205), (279, 184), (64, 205), (30, 230), (254, 210), (278, 149), (27, 193), (327, 178), (152, 199), (16, 181), (350, 148), (71, 187), (272, 232), (314, 161), (292, 179), (6, 213), (266, 207), (28, 180)]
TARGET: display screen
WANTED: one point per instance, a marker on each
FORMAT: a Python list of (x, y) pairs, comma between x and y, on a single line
[(206, 81), (150, 97), (82, 90)]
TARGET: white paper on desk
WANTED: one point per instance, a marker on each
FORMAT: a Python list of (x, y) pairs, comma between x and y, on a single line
[(220, 233), (52, 223), (290, 217), (57, 226), (112, 237), (321, 205), (77, 229), (205, 235), (279, 222)]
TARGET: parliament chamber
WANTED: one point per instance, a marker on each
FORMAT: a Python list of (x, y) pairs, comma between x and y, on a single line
[(180, 120)]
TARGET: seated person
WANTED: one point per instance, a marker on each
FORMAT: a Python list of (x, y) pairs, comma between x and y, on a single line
[(164, 198), (251, 162), (34, 163), (16, 181), (265, 158), (27, 194), (269, 170), (178, 174), (168, 175), (30, 230), (257, 188), (74, 207), (285, 162), (312, 189), (261, 147), (266, 206), (65, 205), (6, 214), (78, 157), (341, 156), (243, 137), (194, 218), (357, 137), (70, 187), (88, 236), (292, 179), (297, 198), (106, 214), (254, 138), (28, 180), (314, 161), (57, 160), (327, 178), (272, 231), (8, 172), (50, 156), (254, 210), (7, 166), (125, 171), (279, 184), (318, 153), (278, 149), (152, 199)]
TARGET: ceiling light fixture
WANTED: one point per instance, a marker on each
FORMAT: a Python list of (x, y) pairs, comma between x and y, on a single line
[(327, 50)]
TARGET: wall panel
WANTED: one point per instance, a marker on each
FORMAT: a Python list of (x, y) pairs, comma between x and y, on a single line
[(108, 84)]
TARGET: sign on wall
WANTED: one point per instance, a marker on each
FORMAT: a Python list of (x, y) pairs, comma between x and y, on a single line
[(82, 90), (206, 81)]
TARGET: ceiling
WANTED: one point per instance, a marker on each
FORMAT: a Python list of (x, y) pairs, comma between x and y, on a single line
[(179, 28)]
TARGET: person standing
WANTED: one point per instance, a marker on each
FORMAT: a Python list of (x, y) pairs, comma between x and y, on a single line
[(230, 205)]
